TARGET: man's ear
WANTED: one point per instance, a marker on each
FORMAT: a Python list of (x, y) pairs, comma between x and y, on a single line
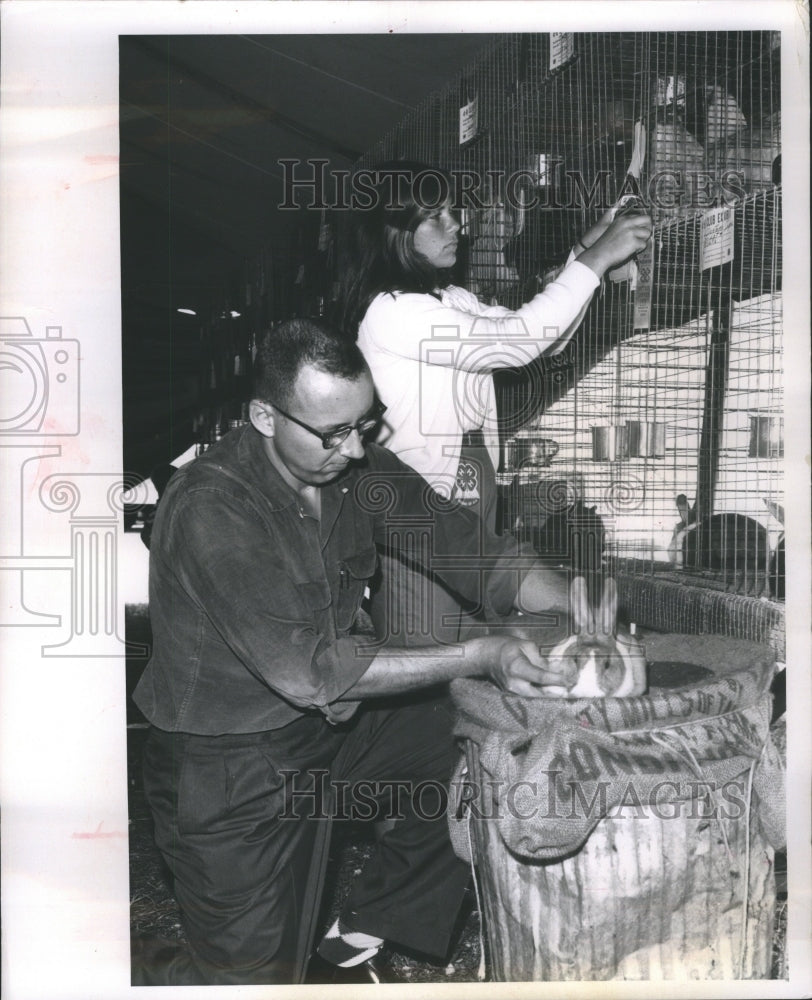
[(262, 417)]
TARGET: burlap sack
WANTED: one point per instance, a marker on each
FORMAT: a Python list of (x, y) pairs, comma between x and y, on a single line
[(556, 767)]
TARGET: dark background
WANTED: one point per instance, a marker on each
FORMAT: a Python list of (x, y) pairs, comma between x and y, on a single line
[(204, 121)]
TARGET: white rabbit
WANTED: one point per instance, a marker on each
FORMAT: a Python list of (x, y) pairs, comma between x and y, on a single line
[(608, 665)]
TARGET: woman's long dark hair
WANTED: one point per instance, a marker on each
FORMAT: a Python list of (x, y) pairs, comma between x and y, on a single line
[(376, 245)]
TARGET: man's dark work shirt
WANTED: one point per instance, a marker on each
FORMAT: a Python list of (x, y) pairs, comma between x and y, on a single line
[(252, 604)]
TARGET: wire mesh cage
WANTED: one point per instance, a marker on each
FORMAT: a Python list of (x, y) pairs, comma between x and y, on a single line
[(666, 409)]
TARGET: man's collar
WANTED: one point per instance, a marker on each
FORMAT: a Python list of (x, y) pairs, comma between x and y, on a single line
[(251, 454)]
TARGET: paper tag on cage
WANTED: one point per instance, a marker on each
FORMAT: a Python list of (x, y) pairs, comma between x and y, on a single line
[(716, 238), (469, 121), (622, 273), (562, 46), (644, 288)]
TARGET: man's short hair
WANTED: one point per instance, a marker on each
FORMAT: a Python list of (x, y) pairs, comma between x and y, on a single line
[(290, 345)]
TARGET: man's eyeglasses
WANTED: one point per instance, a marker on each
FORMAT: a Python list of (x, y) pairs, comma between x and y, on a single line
[(332, 439)]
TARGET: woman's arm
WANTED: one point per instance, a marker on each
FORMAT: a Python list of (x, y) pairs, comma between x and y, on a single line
[(594, 233), (624, 237), (461, 332)]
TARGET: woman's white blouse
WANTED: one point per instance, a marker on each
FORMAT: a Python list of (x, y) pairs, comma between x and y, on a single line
[(432, 358)]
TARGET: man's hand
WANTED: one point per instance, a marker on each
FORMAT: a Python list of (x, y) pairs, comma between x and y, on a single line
[(514, 665), (519, 667)]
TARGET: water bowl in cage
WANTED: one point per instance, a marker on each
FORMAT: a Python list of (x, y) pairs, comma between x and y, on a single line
[(645, 439), (766, 436), (530, 452), (610, 442)]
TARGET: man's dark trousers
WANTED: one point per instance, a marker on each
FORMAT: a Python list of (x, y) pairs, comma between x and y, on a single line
[(248, 873)]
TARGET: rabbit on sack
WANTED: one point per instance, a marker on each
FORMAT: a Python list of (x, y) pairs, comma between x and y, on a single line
[(608, 664)]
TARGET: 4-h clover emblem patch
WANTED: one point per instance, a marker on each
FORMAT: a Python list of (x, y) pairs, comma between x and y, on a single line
[(466, 488)]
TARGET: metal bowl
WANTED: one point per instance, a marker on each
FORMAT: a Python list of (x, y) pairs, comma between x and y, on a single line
[(533, 452)]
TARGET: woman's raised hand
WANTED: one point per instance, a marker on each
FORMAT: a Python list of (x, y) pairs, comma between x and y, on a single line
[(622, 238), (597, 229)]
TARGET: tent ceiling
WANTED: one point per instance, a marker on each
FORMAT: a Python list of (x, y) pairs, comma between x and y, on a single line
[(205, 120)]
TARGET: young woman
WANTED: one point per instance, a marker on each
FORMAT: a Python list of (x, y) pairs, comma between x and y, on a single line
[(432, 347)]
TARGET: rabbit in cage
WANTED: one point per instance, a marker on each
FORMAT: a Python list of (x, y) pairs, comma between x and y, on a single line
[(607, 663), (576, 536), (730, 543), (777, 570), (723, 117)]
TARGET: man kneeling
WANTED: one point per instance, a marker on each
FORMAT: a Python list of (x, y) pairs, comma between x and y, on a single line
[(263, 702)]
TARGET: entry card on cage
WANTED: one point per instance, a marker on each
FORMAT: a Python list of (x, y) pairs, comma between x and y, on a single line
[(562, 46), (643, 288), (716, 238), (469, 121)]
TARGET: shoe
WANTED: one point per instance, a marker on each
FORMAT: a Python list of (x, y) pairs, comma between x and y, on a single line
[(374, 970)]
